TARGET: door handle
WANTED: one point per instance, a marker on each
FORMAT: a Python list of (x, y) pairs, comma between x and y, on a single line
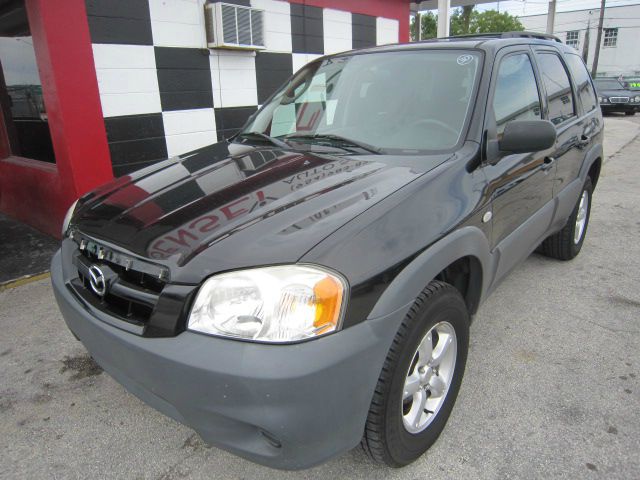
[(548, 163), (584, 141)]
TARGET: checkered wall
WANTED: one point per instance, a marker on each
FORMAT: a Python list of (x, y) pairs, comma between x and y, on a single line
[(163, 93)]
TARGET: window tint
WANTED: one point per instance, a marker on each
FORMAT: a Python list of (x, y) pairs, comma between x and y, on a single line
[(582, 79), (556, 83), (516, 94)]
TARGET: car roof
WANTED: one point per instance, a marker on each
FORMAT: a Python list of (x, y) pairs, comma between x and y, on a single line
[(488, 41)]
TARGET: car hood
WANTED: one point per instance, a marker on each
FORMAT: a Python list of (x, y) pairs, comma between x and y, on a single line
[(230, 206)]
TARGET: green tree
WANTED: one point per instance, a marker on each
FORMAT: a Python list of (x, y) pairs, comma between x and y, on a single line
[(460, 23), (492, 21), (466, 21), (429, 23)]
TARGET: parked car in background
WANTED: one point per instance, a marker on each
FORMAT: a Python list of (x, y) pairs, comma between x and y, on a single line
[(615, 96), (633, 83), (308, 285)]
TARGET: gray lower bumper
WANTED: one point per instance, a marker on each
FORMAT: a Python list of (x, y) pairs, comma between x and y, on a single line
[(285, 406), (620, 107)]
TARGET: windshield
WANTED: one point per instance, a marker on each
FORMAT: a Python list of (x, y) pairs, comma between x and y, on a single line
[(608, 84), (394, 102)]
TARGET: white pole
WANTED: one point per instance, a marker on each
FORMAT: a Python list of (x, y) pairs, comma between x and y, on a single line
[(551, 16), (443, 18)]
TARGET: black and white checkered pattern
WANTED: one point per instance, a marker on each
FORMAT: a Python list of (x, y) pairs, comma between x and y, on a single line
[(164, 93)]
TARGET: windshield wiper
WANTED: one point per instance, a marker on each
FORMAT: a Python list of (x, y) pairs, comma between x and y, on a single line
[(263, 136), (336, 139)]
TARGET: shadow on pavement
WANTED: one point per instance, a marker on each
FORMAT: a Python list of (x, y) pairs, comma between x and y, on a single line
[(25, 251)]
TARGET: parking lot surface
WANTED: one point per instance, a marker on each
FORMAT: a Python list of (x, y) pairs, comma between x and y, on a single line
[(551, 388)]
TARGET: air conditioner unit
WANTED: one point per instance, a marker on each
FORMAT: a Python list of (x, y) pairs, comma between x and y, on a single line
[(234, 26)]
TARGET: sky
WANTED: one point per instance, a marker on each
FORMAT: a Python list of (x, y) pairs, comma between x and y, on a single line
[(537, 7)]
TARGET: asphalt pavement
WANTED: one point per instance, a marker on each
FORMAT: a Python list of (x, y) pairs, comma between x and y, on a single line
[(551, 388), (25, 251)]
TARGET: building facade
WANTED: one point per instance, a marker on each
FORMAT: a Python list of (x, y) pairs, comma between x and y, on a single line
[(92, 89), (619, 53)]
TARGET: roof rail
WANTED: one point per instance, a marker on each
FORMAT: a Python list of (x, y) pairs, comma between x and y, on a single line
[(523, 34)]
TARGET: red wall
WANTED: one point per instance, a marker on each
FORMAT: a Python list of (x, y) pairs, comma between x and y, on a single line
[(36, 192), (398, 9)]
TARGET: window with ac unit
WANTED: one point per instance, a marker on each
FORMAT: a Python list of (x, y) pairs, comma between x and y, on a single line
[(234, 26), (610, 37), (573, 39)]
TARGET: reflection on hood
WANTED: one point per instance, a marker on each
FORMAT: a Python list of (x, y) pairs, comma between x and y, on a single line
[(176, 209)]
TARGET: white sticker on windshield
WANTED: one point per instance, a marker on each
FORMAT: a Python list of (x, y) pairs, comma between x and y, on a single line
[(464, 59)]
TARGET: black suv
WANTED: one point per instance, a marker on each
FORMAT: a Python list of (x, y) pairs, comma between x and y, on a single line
[(308, 285)]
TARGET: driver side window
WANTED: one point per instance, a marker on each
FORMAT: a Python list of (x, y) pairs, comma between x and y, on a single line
[(516, 94)]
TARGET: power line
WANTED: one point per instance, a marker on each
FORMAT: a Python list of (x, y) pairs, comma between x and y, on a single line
[(585, 22)]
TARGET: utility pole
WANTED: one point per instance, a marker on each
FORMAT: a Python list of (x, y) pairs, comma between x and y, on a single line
[(596, 55), (587, 39), (551, 17)]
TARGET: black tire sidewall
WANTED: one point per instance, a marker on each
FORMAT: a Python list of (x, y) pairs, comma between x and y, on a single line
[(405, 447), (576, 247)]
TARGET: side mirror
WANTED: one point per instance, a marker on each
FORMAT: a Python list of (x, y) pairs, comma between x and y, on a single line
[(524, 136)]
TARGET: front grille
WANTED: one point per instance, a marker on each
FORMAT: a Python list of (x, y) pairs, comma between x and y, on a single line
[(619, 99), (132, 287)]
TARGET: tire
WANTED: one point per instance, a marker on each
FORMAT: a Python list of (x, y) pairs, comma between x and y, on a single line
[(629, 114), (563, 245), (386, 438)]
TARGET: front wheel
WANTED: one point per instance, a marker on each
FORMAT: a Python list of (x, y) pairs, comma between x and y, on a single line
[(420, 379), (567, 243)]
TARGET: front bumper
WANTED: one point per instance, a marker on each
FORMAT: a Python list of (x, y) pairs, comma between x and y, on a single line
[(284, 406), (619, 107)]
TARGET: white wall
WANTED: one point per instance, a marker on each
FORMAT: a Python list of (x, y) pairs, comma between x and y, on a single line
[(624, 59)]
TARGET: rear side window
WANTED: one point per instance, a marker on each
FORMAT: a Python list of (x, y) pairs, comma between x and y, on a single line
[(582, 79), (516, 94), (556, 83)]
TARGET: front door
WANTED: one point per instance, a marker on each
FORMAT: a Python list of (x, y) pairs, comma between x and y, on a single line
[(521, 185)]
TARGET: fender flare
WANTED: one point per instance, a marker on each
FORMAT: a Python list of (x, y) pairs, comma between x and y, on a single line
[(407, 285), (592, 155)]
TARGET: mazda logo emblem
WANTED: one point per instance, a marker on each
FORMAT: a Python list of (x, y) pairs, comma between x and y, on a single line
[(97, 281)]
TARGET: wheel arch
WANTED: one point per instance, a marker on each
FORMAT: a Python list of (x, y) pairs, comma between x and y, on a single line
[(465, 274), (592, 164), (594, 171), (462, 258)]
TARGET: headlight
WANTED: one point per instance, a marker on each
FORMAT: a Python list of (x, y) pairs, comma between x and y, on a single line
[(67, 218), (602, 99), (636, 98), (271, 304)]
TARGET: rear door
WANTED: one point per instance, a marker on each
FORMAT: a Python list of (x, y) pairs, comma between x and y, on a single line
[(563, 111), (590, 117)]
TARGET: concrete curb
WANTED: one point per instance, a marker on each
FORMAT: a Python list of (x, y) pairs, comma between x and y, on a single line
[(18, 282)]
